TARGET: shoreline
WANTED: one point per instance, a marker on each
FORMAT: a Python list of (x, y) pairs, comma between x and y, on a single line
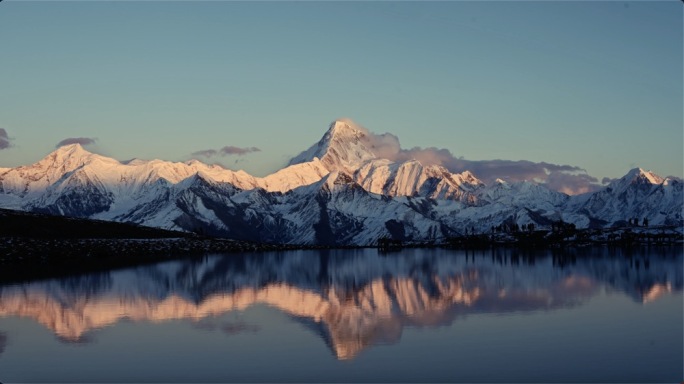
[(25, 259)]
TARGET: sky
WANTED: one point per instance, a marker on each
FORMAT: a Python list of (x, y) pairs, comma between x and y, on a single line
[(566, 87)]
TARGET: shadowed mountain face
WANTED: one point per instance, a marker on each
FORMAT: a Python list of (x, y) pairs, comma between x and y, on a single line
[(352, 299)]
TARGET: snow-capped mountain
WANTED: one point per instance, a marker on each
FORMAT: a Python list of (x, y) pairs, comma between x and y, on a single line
[(338, 192), (637, 195), (346, 147)]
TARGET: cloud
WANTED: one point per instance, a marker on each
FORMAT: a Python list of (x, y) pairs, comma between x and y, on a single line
[(563, 178), (226, 151), (231, 150), (572, 184), (76, 140), (4, 139), (205, 153)]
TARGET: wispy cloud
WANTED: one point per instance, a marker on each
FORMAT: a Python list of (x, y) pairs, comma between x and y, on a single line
[(76, 140), (205, 153), (226, 151), (564, 178), (4, 139), (231, 150), (572, 183)]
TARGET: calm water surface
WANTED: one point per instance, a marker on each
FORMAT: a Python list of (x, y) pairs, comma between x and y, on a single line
[(355, 316)]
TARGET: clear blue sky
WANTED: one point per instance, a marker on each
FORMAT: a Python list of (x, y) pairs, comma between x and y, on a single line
[(591, 84)]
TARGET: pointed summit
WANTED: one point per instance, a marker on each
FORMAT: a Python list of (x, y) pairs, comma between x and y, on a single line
[(76, 147), (38, 176), (638, 194), (346, 128), (635, 177), (342, 148), (638, 175), (67, 157)]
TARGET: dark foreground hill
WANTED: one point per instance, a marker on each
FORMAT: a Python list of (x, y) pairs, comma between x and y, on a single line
[(42, 226), (37, 245)]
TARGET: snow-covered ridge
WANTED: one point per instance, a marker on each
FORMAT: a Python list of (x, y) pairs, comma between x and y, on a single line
[(346, 147), (301, 204), (341, 148), (68, 159)]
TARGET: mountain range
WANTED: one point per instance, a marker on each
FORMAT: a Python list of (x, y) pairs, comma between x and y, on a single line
[(337, 192)]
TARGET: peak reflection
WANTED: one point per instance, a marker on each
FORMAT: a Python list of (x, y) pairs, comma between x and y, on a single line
[(352, 299)]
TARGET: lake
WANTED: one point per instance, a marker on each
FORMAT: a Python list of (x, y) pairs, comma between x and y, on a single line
[(417, 315)]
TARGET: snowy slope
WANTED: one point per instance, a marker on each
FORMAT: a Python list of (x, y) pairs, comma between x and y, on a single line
[(294, 176), (411, 178), (348, 214), (342, 148), (639, 194), (346, 147)]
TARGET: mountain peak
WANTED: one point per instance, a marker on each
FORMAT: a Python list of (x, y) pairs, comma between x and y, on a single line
[(65, 159), (343, 147), (71, 149), (346, 128), (641, 175), (70, 155)]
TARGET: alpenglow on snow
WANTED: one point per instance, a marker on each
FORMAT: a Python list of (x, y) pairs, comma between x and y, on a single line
[(337, 192)]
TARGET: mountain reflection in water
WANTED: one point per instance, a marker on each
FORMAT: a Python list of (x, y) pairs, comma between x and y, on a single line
[(352, 298)]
